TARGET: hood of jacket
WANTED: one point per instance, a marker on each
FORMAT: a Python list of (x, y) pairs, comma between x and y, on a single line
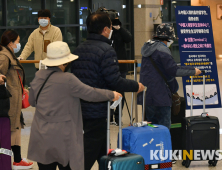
[(152, 45)]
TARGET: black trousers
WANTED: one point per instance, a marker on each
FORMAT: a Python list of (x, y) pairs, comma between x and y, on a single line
[(53, 166), (94, 140)]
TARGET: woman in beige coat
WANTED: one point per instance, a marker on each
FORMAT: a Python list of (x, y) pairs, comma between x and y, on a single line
[(57, 130), (11, 67)]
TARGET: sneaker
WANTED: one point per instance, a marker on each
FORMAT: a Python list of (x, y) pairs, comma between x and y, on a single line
[(174, 161), (117, 123), (113, 123), (30, 163), (24, 164)]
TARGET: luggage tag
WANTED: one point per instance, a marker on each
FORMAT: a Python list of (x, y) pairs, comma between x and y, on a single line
[(116, 103), (42, 66), (153, 126), (117, 152)]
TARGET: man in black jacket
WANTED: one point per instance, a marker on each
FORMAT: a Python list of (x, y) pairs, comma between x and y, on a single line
[(120, 37), (98, 67)]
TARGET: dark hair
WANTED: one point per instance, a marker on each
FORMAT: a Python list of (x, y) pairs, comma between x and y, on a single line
[(44, 13), (7, 37), (96, 22)]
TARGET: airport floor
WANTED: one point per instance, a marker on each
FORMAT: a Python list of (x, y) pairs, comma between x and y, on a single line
[(195, 165)]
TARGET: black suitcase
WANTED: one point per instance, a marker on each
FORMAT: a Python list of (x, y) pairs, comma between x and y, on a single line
[(201, 133)]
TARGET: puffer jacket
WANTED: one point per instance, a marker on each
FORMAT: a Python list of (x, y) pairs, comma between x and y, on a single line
[(158, 93), (97, 66)]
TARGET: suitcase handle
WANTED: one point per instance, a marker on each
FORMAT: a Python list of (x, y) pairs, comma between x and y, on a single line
[(144, 103), (108, 126), (191, 97)]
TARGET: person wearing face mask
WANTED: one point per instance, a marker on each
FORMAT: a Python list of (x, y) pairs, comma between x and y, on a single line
[(41, 37), (120, 38), (12, 69), (158, 95), (97, 66), (56, 137)]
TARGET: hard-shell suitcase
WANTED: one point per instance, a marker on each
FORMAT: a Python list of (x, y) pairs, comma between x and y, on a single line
[(5, 144), (201, 133), (144, 140), (148, 142), (125, 162)]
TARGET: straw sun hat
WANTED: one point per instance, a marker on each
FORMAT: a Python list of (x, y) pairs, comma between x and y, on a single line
[(58, 53)]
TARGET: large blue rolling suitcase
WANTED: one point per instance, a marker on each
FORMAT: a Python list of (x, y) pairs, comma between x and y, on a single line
[(150, 143), (153, 143), (125, 162)]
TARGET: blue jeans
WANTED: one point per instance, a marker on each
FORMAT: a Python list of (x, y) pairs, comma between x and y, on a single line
[(159, 115)]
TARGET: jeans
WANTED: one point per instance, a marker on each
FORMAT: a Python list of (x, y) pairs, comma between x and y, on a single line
[(160, 115)]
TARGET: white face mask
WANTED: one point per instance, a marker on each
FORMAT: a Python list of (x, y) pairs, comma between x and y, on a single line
[(17, 49), (43, 22), (169, 43), (110, 34)]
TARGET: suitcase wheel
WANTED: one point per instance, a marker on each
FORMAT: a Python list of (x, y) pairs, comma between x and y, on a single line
[(187, 164), (213, 163), (184, 163)]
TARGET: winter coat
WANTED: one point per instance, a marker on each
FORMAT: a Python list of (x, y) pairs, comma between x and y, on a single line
[(158, 93), (8, 67), (38, 42), (120, 38), (97, 66), (57, 128)]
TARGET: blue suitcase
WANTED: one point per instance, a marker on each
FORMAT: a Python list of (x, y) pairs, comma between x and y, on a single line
[(125, 162), (146, 139)]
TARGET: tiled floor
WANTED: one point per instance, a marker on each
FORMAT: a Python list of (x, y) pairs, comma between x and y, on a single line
[(200, 165)]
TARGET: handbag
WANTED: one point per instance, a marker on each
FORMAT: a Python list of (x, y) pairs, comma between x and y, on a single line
[(175, 109), (25, 96)]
